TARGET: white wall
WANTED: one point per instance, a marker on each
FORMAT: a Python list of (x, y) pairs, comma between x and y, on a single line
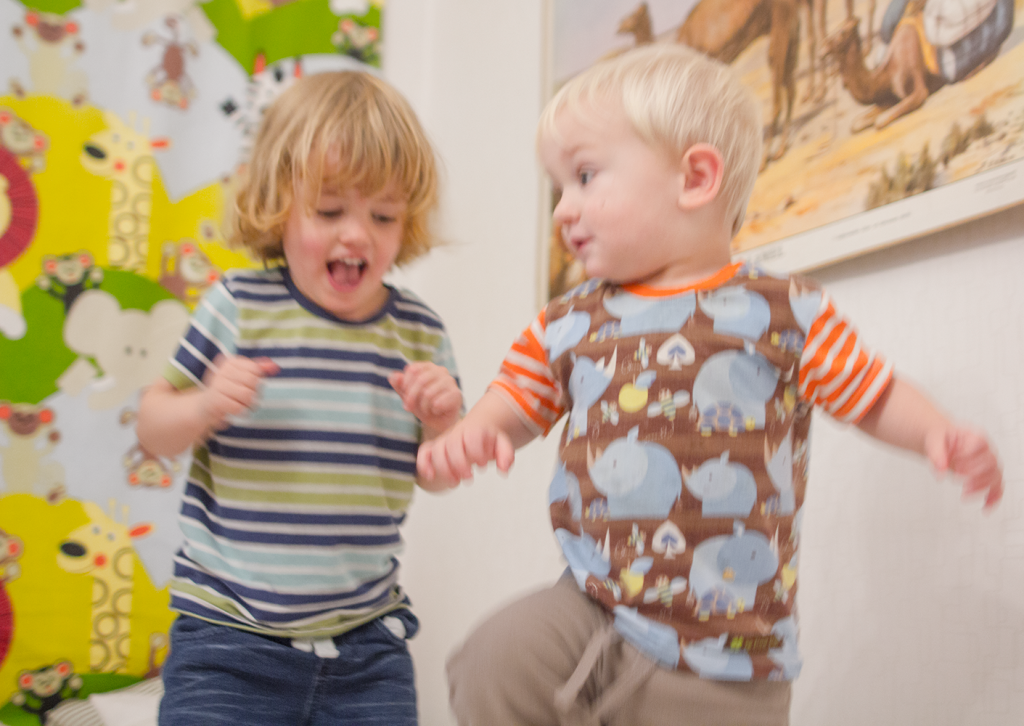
[(911, 601)]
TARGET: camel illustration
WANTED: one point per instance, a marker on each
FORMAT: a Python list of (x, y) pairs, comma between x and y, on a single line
[(723, 29), (913, 68), (897, 86)]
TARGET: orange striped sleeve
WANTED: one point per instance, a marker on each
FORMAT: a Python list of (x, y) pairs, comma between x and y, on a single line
[(837, 372), (526, 382)]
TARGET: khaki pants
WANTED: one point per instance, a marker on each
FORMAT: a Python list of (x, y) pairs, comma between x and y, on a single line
[(552, 659)]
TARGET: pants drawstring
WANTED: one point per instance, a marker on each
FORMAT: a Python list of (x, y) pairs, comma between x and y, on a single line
[(573, 714), (623, 687)]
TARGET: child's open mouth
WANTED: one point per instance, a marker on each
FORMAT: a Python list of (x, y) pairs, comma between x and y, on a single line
[(578, 244), (347, 272)]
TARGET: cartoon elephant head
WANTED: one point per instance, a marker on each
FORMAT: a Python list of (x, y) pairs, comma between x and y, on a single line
[(131, 347)]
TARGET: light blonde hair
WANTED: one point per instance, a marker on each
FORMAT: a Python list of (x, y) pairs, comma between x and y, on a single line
[(675, 97), (335, 130)]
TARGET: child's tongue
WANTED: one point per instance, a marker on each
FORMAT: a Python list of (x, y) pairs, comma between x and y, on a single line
[(345, 275)]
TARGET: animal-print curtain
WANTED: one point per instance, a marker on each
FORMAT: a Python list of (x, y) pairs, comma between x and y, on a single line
[(122, 128)]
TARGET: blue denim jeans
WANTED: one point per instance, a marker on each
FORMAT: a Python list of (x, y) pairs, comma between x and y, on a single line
[(215, 674)]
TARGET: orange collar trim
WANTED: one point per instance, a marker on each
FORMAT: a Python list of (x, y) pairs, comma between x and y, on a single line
[(714, 281)]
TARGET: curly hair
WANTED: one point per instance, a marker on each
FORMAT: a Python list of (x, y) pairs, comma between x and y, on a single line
[(337, 130)]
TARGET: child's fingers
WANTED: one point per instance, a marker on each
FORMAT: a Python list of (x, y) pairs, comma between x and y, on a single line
[(443, 470), (987, 480), (238, 384), (990, 486), (445, 403), (995, 494), (504, 453), (937, 446), (480, 447), (267, 367), (424, 393), (977, 463), (432, 394), (982, 476), (455, 456), (412, 390), (424, 462)]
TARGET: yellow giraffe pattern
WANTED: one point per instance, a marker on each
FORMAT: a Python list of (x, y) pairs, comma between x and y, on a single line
[(125, 156), (102, 547)]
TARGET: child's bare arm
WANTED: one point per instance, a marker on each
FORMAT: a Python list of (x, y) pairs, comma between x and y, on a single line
[(491, 431), (171, 420), (904, 417)]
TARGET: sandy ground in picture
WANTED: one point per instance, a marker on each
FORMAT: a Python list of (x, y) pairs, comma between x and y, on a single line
[(827, 172)]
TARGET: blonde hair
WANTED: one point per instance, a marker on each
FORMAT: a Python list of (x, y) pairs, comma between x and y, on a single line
[(675, 97), (336, 130)]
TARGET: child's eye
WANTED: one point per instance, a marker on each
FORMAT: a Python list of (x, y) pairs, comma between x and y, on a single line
[(585, 177), (385, 218), (329, 213)]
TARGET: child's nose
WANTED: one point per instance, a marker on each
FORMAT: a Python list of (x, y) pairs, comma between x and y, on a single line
[(352, 230), (566, 211)]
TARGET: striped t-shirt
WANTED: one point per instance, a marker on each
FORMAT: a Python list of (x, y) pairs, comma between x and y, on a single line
[(291, 514), (683, 463)]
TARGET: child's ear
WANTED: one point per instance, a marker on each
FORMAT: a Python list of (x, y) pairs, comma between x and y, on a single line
[(702, 168)]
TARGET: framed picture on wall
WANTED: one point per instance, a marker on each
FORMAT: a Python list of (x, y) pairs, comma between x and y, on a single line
[(884, 121)]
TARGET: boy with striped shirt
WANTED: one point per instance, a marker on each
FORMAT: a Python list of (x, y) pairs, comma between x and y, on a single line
[(306, 388), (688, 381)]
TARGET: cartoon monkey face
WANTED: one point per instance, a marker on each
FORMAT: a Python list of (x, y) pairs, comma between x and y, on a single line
[(25, 419), (46, 682), (68, 269), (171, 93), (50, 28), (18, 137), (148, 470), (195, 266), (185, 270), (150, 473)]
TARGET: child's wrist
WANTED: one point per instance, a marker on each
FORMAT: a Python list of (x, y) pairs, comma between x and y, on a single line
[(437, 427)]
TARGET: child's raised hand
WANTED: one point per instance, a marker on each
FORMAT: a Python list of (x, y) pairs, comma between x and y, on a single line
[(967, 453), (231, 386), (449, 459), (430, 394)]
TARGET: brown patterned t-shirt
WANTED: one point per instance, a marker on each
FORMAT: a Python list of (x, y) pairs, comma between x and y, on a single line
[(683, 462)]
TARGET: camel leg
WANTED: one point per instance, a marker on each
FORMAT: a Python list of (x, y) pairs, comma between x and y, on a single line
[(905, 106), (912, 102), (865, 120), (820, 12), (783, 48), (909, 81), (810, 9)]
